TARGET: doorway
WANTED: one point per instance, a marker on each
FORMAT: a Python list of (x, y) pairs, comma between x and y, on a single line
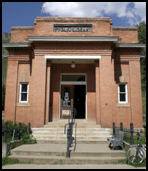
[(79, 101), (73, 96)]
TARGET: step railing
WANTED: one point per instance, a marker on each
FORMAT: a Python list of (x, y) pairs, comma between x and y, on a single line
[(70, 139)]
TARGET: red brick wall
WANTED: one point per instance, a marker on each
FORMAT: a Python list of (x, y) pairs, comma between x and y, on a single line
[(122, 114), (127, 35), (102, 84), (43, 26), (18, 34), (23, 113), (128, 61), (102, 77)]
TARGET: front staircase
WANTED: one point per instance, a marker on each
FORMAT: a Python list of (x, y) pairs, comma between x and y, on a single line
[(87, 132), (92, 145)]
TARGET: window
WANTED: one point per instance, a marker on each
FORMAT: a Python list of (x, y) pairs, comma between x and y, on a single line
[(73, 78), (24, 87), (122, 93)]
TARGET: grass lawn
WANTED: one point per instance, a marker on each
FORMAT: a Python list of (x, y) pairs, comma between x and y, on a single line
[(142, 141), (144, 102), (7, 160), (143, 164)]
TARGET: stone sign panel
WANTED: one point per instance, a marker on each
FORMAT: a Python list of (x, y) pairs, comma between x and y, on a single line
[(73, 28), (65, 112)]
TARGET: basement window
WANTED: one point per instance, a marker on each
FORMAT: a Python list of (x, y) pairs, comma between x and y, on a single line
[(122, 93), (24, 90)]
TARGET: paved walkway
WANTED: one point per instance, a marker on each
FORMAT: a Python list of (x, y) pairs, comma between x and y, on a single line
[(87, 166)]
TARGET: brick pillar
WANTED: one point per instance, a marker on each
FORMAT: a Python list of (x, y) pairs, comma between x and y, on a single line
[(97, 92), (106, 89), (38, 88), (11, 86), (48, 90), (136, 95)]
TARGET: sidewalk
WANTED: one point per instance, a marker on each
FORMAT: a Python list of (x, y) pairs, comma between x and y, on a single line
[(87, 166)]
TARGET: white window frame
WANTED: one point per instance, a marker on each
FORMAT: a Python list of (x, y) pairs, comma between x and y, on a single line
[(20, 101), (122, 93)]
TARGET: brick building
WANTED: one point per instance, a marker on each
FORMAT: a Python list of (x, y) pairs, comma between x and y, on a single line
[(84, 63)]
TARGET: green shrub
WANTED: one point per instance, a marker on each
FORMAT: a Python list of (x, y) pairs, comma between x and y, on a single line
[(27, 139)]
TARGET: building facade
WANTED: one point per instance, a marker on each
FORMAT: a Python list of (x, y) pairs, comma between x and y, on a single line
[(84, 63)]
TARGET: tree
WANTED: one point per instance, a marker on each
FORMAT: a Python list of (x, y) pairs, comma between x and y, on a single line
[(142, 39), (3, 96)]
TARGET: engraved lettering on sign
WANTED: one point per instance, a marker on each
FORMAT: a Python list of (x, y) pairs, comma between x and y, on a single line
[(73, 28)]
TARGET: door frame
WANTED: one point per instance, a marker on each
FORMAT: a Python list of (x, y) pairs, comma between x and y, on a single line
[(73, 83)]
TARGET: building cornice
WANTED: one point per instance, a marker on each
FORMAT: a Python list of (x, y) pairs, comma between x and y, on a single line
[(73, 38), (12, 45), (115, 39), (131, 45)]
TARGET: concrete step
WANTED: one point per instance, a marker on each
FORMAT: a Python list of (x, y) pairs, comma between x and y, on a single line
[(84, 141), (78, 125), (88, 130), (77, 133), (77, 139), (73, 154), (64, 160), (65, 121), (77, 136), (85, 131), (56, 154)]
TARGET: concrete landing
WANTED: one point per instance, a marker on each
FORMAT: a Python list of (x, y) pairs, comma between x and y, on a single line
[(56, 154)]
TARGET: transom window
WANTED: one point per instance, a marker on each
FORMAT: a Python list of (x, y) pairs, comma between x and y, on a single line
[(73, 78), (24, 89), (122, 93)]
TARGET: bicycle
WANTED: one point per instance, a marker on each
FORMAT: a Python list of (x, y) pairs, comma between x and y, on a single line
[(136, 154)]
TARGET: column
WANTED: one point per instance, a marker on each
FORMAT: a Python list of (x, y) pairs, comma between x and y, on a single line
[(48, 90), (106, 89), (98, 118), (11, 90), (38, 88), (136, 95)]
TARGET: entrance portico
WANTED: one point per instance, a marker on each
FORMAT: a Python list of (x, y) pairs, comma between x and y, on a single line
[(76, 84)]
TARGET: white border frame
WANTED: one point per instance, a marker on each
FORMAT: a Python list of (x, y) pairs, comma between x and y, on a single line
[(72, 57), (73, 83), (121, 93), (21, 92)]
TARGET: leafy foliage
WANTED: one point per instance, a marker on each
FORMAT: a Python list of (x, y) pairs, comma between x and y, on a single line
[(27, 139), (7, 160), (142, 39), (3, 96)]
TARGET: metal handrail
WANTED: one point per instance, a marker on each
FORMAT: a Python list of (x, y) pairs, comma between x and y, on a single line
[(71, 123)]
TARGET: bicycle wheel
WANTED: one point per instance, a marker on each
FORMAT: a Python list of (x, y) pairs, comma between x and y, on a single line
[(135, 155)]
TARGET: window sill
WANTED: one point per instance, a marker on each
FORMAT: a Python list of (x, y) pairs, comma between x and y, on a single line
[(22, 104), (123, 105)]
